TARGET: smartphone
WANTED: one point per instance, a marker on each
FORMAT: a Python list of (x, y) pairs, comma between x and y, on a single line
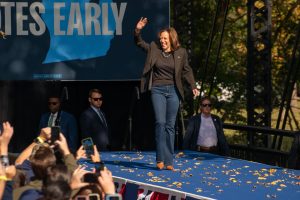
[(94, 196), (90, 178), (55, 130), (88, 146), (113, 197), (81, 197), (99, 167)]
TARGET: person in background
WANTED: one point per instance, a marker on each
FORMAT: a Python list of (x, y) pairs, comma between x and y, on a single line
[(205, 132), (66, 121), (165, 67), (93, 122)]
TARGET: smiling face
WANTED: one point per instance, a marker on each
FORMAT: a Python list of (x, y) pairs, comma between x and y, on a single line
[(164, 40)]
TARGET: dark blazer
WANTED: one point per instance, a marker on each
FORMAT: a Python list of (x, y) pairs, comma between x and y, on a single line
[(191, 135), (68, 126), (92, 126), (182, 68)]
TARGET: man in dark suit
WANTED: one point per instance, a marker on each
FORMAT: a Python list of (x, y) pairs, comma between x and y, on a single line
[(205, 132), (58, 117), (93, 122)]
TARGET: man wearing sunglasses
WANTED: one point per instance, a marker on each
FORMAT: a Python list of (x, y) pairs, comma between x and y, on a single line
[(66, 121), (93, 122), (205, 132)]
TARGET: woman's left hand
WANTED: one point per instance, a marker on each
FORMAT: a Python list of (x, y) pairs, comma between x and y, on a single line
[(196, 92)]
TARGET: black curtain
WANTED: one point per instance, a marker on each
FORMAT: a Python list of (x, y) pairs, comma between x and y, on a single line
[(23, 102)]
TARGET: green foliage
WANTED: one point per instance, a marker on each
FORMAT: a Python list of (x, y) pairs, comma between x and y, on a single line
[(231, 74)]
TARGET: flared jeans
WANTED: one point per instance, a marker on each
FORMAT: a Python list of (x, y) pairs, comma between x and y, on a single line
[(165, 100)]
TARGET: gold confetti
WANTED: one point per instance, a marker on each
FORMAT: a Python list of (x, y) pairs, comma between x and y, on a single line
[(262, 178), (177, 184), (179, 155), (233, 180), (282, 185), (150, 174)]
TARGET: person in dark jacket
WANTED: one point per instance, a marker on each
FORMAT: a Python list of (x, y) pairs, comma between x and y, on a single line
[(93, 122), (58, 117), (165, 67), (205, 132)]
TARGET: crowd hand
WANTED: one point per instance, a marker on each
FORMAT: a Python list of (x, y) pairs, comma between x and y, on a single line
[(62, 144), (10, 172), (80, 153), (196, 92), (6, 135), (106, 181), (142, 23), (96, 156), (45, 134), (77, 177)]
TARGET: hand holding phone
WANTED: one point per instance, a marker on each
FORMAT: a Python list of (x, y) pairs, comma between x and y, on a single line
[(88, 146)]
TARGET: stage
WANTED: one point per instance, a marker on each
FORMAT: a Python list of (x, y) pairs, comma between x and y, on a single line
[(200, 176)]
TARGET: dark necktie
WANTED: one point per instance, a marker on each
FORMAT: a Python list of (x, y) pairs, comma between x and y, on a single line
[(102, 117)]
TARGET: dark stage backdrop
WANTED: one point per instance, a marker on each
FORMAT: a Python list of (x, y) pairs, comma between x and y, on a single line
[(23, 102), (76, 39)]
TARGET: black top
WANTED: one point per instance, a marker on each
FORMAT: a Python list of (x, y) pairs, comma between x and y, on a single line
[(164, 70)]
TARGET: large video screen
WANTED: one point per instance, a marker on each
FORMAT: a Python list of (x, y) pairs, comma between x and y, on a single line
[(76, 39)]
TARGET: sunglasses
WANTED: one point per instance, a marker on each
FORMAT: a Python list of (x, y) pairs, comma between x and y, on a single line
[(52, 103), (98, 99), (206, 105)]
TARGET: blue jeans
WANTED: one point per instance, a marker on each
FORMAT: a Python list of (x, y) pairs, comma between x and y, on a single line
[(165, 100)]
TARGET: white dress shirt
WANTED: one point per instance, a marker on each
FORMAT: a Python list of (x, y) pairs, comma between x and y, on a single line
[(207, 136)]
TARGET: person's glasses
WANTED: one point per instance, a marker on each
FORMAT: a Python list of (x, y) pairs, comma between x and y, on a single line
[(206, 105), (98, 99), (52, 103)]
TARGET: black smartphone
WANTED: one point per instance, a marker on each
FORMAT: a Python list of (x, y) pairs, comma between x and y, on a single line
[(90, 178), (113, 197), (99, 167), (81, 197), (94, 196), (55, 130), (88, 146)]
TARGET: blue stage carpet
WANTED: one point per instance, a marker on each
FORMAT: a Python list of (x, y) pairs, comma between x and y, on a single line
[(201, 175)]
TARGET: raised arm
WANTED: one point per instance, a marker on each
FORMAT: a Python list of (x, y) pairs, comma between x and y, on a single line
[(45, 135), (137, 34)]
